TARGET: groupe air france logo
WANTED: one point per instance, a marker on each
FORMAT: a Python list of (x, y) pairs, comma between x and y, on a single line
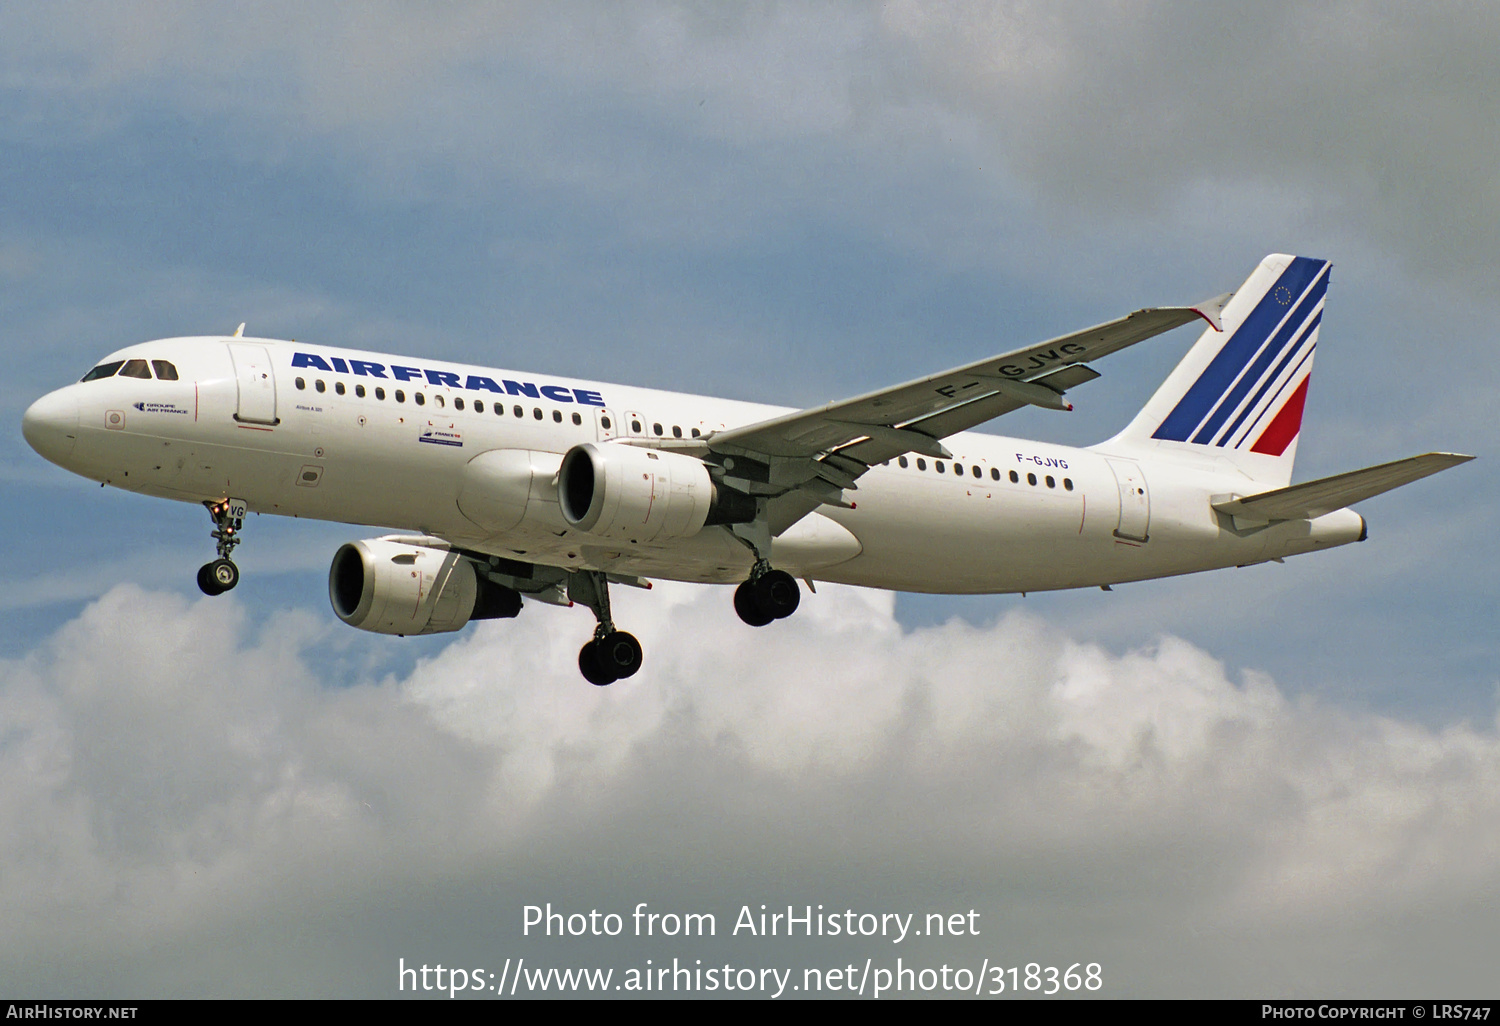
[(145, 407)]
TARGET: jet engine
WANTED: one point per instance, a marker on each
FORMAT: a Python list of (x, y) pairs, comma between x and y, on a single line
[(402, 586), (634, 494)]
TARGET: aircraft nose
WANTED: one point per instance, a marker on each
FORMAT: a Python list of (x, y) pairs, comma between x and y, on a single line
[(51, 425)]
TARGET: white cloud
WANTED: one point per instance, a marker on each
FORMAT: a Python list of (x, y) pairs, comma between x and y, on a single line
[(166, 774)]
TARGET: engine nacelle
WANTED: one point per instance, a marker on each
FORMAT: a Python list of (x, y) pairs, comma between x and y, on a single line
[(634, 494), (394, 585)]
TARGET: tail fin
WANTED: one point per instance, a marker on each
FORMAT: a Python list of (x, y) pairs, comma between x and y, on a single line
[(1238, 394)]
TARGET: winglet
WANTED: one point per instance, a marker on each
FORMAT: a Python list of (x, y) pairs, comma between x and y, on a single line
[(240, 331), (1211, 310)]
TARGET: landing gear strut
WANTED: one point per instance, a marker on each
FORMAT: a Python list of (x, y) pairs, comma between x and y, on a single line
[(219, 576), (768, 595), (612, 655)]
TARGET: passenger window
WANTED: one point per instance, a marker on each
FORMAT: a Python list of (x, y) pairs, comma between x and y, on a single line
[(135, 369), (380, 393), (104, 370), (938, 466), (604, 423), (478, 405), (320, 386), (676, 431), (696, 433), (557, 416), (1015, 478), (359, 391), (901, 462), (921, 463), (1050, 482), (1031, 479), (338, 386), (420, 398), (978, 472), (635, 427), (958, 468), (400, 396), (656, 428), (301, 385), (164, 370), (1068, 483), (994, 473), (537, 413), (577, 420)]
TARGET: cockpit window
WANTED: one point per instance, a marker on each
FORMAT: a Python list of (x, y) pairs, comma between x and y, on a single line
[(104, 370), (135, 369), (164, 370)]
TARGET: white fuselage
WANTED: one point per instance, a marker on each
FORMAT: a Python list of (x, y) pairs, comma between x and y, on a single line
[(1003, 515)]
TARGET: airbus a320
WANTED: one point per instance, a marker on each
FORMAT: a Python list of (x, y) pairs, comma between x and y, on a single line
[(504, 486)]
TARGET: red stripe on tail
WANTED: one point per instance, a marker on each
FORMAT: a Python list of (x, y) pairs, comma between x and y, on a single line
[(1279, 434)]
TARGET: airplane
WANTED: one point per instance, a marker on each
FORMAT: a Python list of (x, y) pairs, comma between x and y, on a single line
[(504, 486)]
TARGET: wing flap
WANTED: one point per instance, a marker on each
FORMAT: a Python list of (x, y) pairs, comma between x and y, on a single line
[(1315, 498)]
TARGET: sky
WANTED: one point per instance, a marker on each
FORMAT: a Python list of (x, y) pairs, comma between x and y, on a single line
[(1279, 780)]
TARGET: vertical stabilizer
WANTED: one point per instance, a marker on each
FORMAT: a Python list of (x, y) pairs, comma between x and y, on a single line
[(1238, 394)]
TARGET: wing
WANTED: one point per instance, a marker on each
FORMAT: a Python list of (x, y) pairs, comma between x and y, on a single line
[(802, 460)]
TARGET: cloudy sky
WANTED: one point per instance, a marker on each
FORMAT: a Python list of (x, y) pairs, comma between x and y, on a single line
[(1278, 780)]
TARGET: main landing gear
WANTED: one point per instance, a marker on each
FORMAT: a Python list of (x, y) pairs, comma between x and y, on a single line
[(612, 655), (219, 576), (768, 595)]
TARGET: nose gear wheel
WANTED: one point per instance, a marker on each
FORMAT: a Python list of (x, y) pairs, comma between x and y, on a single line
[(221, 574)]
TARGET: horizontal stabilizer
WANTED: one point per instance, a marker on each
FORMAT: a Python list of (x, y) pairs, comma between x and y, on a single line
[(1315, 498)]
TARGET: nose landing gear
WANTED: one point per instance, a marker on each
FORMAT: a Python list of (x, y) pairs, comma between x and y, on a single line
[(219, 576)]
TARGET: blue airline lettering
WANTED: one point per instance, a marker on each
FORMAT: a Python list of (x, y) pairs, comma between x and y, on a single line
[(448, 379)]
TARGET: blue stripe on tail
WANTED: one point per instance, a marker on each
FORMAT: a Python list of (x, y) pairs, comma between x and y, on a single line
[(1274, 376), (1202, 399), (1268, 355)]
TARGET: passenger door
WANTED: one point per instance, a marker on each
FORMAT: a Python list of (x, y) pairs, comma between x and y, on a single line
[(257, 383)]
